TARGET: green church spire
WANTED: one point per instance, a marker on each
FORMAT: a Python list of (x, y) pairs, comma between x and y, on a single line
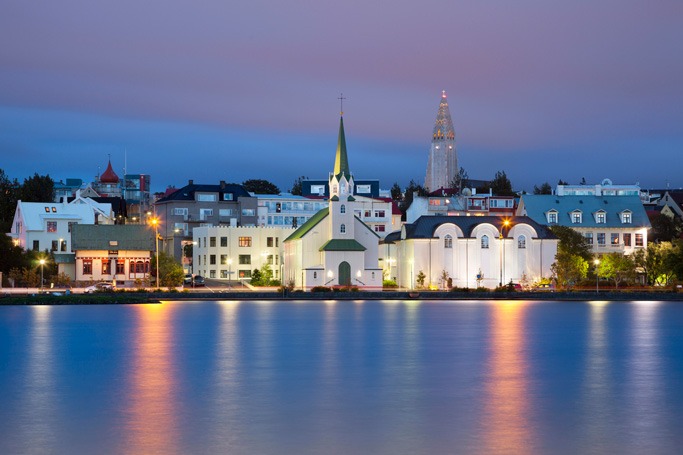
[(341, 160)]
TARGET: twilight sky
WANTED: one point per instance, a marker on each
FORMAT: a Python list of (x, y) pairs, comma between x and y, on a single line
[(231, 90)]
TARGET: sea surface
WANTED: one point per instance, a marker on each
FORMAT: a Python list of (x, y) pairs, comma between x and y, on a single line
[(343, 377)]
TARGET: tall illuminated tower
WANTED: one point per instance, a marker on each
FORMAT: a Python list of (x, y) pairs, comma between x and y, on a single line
[(442, 166)]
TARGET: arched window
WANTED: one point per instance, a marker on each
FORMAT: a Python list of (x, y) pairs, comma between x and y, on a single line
[(485, 242), (342, 209), (448, 241), (342, 228), (521, 242)]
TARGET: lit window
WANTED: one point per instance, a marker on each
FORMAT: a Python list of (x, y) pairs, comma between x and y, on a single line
[(448, 242), (639, 239), (614, 239), (51, 226), (627, 239), (87, 266), (244, 241), (626, 217), (552, 217), (485, 242), (601, 238), (521, 242), (576, 217), (589, 238), (600, 217)]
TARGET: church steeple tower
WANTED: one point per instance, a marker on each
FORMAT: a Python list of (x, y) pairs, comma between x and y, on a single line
[(442, 166), (341, 181)]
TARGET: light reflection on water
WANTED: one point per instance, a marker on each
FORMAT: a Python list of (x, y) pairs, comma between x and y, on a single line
[(345, 377)]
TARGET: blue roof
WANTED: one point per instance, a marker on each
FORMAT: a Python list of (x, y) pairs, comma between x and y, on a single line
[(536, 206)]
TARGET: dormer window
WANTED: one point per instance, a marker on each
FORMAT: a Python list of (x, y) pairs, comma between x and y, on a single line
[(601, 217), (626, 217), (552, 217), (577, 217)]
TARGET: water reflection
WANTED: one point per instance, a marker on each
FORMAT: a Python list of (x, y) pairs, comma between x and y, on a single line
[(506, 406), (152, 422), (38, 410)]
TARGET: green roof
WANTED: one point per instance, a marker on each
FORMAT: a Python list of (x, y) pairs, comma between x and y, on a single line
[(129, 237), (308, 225), (342, 245)]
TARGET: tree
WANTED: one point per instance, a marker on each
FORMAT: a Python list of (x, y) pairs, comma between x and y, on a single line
[(420, 279), (501, 185), (572, 242), (412, 188), (659, 262), (11, 256), (460, 181), (396, 193), (171, 272), (255, 277), (562, 182), (260, 186), (568, 269), (665, 228), (443, 278), (543, 189), (9, 194), (297, 188), (617, 267), (39, 188)]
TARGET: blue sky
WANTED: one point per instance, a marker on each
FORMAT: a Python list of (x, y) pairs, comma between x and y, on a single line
[(237, 90)]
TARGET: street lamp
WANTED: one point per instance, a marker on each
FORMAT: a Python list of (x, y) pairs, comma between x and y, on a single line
[(155, 223), (506, 223), (42, 264), (229, 270), (597, 276)]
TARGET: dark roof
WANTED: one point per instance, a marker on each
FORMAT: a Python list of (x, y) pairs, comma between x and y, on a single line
[(118, 204), (392, 237), (135, 237), (187, 192), (424, 227)]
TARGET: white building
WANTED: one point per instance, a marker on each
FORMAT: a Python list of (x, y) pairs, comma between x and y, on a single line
[(442, 166), (334, 247), (286, 210), (481, 251), (233, 252)]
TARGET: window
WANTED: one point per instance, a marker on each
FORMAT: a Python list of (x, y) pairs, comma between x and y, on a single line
[(448, 241), (379, 228), (212, 259), (245, 259), (55, 245), (248, 212), (206, 197), (224, 259), (614, 239), (627, 239), (342, 209), (639, 239), (277, 259), (62, 247), (379, 213), (589, 238), (485, 242), (626, 217), (244, 273), (106, 267), (225, 212), (36, 245), (334, 189), (342, 229), (601, 238), (120, 267), (552, 217), (277, 241), (269, 242), (199, 259), (47, 209), (224, 273), (269, 260), (576, 217), (521, 242), (228, 196), (364, 189), (367, 214), (212, 242), (51, 226), (600, 217), (212, 274), (87, 266), (180, 211), (205, 213), (315, 275), (244, 241), (180, 228)]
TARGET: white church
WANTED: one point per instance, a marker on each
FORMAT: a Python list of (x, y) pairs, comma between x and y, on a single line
[(334, 247)]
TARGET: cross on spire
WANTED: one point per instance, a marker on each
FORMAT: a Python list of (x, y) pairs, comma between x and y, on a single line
[(341, 103)]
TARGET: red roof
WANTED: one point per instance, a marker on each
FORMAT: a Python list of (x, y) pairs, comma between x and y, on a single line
[(109, 176)]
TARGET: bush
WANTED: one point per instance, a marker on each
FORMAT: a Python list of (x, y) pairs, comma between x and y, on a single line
[(320, 289), (389, 284)]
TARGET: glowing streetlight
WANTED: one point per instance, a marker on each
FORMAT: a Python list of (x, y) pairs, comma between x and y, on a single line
[(506, 223), (42, 265), (155, 223), (597, 276)]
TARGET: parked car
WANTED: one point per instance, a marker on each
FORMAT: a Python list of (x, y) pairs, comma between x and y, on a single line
[(198, 280), (99, 287), (187, 279)]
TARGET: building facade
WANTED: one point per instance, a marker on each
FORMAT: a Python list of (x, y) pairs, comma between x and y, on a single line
[(442, 165), (469, 252)]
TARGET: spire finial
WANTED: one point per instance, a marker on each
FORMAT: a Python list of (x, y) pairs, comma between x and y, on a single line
[(443, 93), (341, 103)]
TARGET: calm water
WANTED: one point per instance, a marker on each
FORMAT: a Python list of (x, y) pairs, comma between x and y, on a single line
[(343, 378)]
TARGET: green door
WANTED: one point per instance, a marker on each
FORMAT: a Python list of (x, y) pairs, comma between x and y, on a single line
[(345, 274)]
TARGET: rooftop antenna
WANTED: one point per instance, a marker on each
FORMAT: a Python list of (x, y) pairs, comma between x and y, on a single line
[(341, 103)]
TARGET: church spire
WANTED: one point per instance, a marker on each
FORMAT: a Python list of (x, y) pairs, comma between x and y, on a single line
[(341, 160), (443, 126), (442, 165)]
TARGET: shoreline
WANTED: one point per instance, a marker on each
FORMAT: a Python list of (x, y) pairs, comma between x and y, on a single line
[(128, 298)]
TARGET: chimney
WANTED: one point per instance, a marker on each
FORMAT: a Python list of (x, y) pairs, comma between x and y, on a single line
[(191, 182), (222, 184)]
